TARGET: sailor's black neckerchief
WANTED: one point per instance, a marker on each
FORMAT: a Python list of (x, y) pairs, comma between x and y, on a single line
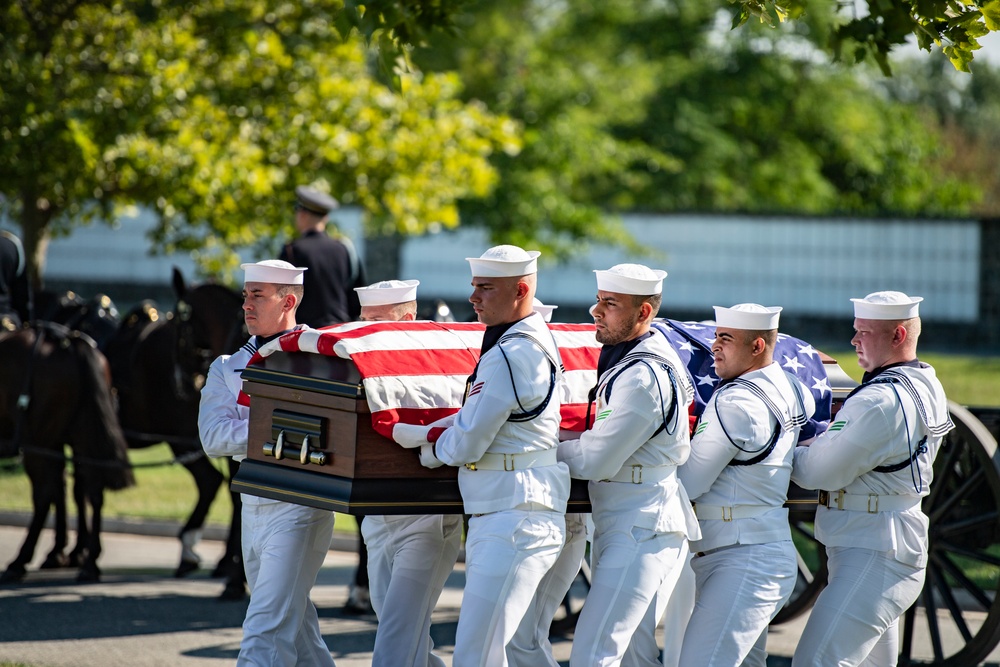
[(871, 375), (610, 356), (264, 340), (491, 337)]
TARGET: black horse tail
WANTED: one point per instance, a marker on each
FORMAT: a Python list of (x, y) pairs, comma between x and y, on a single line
[(98, 423)]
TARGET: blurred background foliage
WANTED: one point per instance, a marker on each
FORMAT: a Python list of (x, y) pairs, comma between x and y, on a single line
[(537, 119)]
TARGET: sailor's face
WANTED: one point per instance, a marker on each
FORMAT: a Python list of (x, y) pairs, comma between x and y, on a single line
[(616, 318), (732, 353), (262, 308), (494, 300), (872, 342)]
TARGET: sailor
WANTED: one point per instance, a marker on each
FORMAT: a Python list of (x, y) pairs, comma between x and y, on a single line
[(504, 438), (284, 544), (873, 466), (642, 516), (409, 557), (530, 646), (745, 564)]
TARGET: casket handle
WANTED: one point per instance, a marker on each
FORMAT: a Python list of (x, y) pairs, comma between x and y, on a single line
[(303, 454)]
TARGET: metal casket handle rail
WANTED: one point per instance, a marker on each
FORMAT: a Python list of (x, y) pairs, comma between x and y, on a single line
[(279, 450)]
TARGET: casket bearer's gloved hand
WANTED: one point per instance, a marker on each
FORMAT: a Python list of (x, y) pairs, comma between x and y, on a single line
[(427, 458), (410, 436)]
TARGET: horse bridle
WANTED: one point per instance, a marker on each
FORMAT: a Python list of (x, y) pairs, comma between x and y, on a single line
[(189, 381)]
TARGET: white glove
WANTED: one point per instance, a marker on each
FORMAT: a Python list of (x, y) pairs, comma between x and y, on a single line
[(445, 422), (427, 458), (410, 436)]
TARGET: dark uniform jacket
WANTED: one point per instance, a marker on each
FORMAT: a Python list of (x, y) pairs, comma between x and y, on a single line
[(15, 291), (328, 285)]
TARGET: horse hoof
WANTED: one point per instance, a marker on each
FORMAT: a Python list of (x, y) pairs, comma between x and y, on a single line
[(185, 568), (13, 575), (55, 562), (233, 592), (89, 575)]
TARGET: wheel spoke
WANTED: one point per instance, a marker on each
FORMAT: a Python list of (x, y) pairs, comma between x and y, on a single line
[(943, 528), (945, 547), (944, 471), (930, 611), (957, 495), (939, 581), (974, 590)]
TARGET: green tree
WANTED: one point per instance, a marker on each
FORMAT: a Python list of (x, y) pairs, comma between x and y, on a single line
[(211, 112), (953, 25), (631, 105)]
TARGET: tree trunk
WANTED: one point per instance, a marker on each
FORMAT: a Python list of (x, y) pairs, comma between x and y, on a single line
[(35, 221)]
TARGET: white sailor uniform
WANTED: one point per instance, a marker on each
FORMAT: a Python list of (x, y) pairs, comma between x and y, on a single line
[(409, 560), (530, 646), (284, 545), (642, 516), (874, 464), (745, 564), (505, 439)]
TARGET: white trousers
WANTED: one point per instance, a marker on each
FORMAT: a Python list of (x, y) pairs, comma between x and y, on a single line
[(283, 549), (530, 646), (506, 555), (739, 590), (855, 618), (409, 560), (678, 598), (630, 566)]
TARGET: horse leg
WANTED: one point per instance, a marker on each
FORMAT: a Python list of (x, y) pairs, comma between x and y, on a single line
[(94, 496), (78, 556), (57, 558), (208, 480), (231, 564), (42, 495)]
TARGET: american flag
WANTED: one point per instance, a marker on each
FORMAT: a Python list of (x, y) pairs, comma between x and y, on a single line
[(416, 372), (693, 343)]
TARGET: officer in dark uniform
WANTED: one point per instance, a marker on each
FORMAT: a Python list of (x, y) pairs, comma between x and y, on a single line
[(334, 267), (15, 289)]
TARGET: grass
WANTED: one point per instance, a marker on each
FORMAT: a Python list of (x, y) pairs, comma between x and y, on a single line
[(168, 492), (968, 380), (164, 493)]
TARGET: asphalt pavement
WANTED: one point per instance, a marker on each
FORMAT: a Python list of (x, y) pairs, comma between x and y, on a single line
[(139, 615)]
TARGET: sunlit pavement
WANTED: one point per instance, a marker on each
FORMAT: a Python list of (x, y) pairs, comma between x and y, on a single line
[(140, 615)]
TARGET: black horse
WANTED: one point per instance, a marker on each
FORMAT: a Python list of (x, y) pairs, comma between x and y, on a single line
[(159, 361), (55, 390)]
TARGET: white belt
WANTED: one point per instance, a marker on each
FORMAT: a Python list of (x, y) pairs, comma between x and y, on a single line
[(724, 513), (639, 474), (510, 462), (872, 503)]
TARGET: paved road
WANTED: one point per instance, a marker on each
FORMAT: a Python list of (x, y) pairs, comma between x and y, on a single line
[(140, 616)]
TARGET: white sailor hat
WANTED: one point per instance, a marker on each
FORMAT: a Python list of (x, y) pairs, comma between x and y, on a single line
[(388, 292), (274, 271), (542, 309), (747, 316), (315, 201), (887, 306), (504, 261), (631, 279)]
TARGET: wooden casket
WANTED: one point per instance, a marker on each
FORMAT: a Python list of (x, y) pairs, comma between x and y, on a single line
[(313, 440)]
